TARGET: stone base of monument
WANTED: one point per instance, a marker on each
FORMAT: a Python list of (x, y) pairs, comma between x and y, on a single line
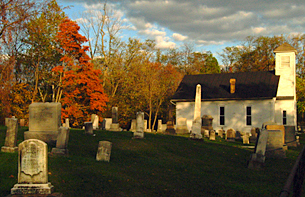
[(115, 127), (21, 189), (256, 162), (60, 151), (9, 149), (138, 135), (49, 137), (182, 129), (194, 136)]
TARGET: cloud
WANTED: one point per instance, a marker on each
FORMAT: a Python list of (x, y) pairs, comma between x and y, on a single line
[(163, 43), (210, 21)]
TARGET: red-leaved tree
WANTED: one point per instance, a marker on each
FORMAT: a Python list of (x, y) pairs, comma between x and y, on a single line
[(80, 84)]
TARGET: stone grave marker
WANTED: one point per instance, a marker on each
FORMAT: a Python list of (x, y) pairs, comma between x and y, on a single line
[(139, 134), (257, 159), (170, 125), (145, 126), (246, 137), (10, 143), (32, 169), (104, 151), (196, 127), (159, 129), (115, 126), (67, 122), (182, 126), (133, 126), (95, 121), (290, 136), (44, 122), (230, 135), (206, 133), (220, 133), (275, 145), (207, 122), (62, 142), (212, 135), (254, 134), (88, 128)]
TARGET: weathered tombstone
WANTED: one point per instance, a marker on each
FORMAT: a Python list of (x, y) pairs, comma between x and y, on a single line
[(220, 133), (133, 126), (196, 127), (44, 122), (115, 126), (139, 134), (145, 126), (277, 127), (67, 122), (10, 144), (207, 123), (254, 134), (62, 142), (159, 129), (245, 138), (257, 159), (88, 128), (275, 145), (32, 169), (238, 135), (170, 127), (206, 133), (164, 127), (22, 122), (103, 151), (108, 122), (95, 121), (181, 126), (290, 136), (230, 135), (212, 135)]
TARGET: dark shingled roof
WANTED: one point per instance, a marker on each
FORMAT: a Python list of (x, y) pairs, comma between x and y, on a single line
[(249, 85)]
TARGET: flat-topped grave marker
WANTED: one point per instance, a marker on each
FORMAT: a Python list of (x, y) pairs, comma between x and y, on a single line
[(10, 144), (103, 151)]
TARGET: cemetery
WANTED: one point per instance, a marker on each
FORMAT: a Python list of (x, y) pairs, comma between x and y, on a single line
[(111, 163)]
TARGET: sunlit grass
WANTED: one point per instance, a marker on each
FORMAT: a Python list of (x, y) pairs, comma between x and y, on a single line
[(158, 165)]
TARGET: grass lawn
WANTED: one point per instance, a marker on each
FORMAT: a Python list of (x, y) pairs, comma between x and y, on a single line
[(158, 165)]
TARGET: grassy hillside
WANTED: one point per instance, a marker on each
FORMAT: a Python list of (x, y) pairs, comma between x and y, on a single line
[(158, 165)]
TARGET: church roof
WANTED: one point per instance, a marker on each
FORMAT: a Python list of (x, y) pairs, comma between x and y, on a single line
[(285, 48), (249, 85)]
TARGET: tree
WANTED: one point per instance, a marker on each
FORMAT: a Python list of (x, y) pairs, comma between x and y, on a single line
[(82, 88)]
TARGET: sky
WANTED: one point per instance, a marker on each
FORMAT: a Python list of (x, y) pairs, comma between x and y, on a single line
[(208, 25)]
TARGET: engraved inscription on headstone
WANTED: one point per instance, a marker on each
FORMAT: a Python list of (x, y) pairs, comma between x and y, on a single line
[(31, 160)]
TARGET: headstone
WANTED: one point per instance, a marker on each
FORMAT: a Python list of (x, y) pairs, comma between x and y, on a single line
[(145, 126), (277, 127), (230, 135), (139, 134), (159, 130), (212, 135), (62, 142), (108, 122), (32, 169), (10, 144), (115, 126), (133, 126), (88, 128), (67, 122), (44, 122), (245, 138), (207, 122), (268, 123), (22, 122), (164, 127), (290, 136), (238, 135), (257, 159), (254, 134), (196, 127), (220, 133), (103, 151), (95, 121), (206, 133), (275, 145), (182, 126), (170, 127)]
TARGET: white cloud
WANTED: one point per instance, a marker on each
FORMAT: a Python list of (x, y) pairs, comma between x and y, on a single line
[(164, 44), (179, 37)]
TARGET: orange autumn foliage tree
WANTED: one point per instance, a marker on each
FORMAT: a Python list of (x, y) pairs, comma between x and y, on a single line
[(82, 90)]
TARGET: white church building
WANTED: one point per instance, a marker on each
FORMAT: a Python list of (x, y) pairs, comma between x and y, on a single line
[(243, 100)]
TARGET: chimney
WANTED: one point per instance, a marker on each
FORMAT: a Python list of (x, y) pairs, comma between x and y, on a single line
[(232, 85)]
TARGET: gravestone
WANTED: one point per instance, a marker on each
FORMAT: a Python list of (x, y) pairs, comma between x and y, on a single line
[(238, 135), (254, 134), (95, 121), (139, 134), (275, 145), (207, 122), (22, 122), (108, 122), (220, 133), (32, 169), (170, 127), (88, 128), (257, 159), (44, 122), (212, 135), (290, 136), (182, 126), (230, 135), (206, 133), (62, 142), (115, 126), (196, 127), (103, 151), (277, 127), (133, 126), (246, 136), (159, 129), (10, 143), (67, 122)]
